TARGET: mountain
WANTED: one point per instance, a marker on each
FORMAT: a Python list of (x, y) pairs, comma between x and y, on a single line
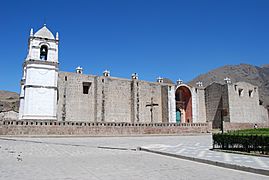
[(258, 76), (9, 101)]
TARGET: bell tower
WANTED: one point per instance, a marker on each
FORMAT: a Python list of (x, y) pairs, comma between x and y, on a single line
[(38, 97)]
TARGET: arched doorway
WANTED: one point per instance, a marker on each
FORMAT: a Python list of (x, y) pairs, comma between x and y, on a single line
[(178, 116), (183, 104)]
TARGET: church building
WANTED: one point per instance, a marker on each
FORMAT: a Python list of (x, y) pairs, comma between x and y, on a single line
[(49, 94)]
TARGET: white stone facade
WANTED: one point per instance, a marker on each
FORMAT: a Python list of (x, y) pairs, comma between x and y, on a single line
[(38, 97), (172, 104)]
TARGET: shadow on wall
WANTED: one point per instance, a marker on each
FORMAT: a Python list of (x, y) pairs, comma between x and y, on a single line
[(217, 118)]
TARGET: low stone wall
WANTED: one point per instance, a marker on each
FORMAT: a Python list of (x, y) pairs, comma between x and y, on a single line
[(98, 128), (237, 126), (9, 115)]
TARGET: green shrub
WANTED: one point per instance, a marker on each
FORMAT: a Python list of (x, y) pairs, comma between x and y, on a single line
[(242, 142)]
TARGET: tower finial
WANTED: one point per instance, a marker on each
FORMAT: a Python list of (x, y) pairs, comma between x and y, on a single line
[(45, 22), (31, 32)]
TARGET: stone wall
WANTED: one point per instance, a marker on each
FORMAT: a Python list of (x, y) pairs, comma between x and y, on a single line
[(164, 105), (200, 110), (97, 129), (73, 104), (241, 100), (9, 115), (244, 104), (150, 92), (111, 99), (264, 114), (216, 99), (237, 126)]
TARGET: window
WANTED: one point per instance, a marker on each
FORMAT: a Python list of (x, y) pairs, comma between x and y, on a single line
[(240, 92), (86, 87), (65, 78), (44, 52), (250, 93), (235, 87)]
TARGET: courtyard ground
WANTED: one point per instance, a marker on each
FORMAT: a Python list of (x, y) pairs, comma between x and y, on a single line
[(117, 158)]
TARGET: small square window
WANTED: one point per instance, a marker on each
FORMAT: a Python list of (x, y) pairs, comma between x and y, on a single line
[(86, 87), (240, 92), (250, 93)]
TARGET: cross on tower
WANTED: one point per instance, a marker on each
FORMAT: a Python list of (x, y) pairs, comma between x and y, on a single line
[(151, 105)]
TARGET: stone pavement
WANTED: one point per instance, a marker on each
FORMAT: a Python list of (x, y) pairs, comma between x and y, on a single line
[(199, 150), (91, 158)]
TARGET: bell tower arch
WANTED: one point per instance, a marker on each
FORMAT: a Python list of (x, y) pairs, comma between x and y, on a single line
[(44, 52), (38, 97)]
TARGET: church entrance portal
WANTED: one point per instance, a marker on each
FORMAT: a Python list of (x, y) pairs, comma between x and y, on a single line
[(178, 116), (183, 105)]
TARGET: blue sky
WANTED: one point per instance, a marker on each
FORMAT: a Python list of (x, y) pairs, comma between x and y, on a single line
[(173, 39)]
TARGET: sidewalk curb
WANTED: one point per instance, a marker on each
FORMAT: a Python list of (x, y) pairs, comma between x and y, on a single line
[(214, 163)]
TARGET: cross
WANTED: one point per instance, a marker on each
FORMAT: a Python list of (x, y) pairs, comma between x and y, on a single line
[(44, 21), (151, 105)]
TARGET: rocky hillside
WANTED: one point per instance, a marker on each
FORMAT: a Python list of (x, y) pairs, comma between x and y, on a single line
[(255, 75), (9, 101)]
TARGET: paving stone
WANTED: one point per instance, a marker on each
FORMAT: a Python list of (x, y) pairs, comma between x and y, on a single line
[(80, 158)]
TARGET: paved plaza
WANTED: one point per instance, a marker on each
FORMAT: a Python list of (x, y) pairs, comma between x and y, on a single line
[(199, 148), (116, 158)]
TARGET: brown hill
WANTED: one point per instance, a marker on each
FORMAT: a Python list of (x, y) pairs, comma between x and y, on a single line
[(255, 75), (9, 101)]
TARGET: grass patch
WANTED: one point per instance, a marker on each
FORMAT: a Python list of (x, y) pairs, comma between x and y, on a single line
[(259, 131)]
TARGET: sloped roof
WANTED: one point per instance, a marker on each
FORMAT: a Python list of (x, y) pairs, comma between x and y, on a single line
[(44, 32)]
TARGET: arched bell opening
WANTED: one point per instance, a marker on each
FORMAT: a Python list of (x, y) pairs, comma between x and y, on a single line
[(183, 105), (44, 52)]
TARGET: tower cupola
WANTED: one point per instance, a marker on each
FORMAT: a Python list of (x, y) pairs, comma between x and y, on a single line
[(43, 46)]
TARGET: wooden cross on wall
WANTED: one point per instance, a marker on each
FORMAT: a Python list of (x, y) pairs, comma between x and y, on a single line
[(151, 105)]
